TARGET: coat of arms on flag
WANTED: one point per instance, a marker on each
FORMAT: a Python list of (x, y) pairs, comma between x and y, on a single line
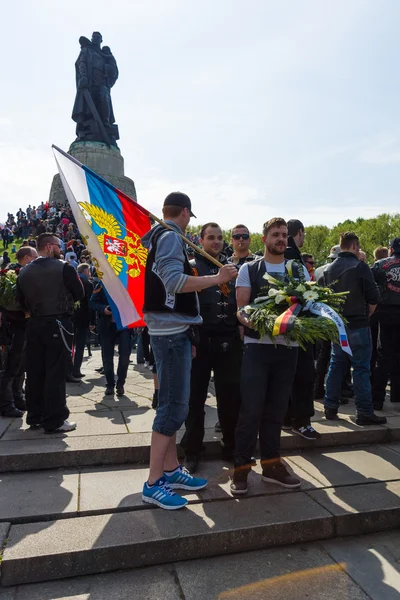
[(112, 225)]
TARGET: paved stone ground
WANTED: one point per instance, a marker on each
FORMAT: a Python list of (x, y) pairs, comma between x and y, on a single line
[(339, 482), (358, 568), (100, 415)]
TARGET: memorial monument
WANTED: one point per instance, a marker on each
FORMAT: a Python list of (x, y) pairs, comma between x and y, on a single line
[(97, 133)]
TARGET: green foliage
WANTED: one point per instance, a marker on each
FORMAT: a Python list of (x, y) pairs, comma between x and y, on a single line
[(374, 232)]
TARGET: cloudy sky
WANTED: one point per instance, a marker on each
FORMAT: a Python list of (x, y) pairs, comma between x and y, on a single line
[(255, 109)]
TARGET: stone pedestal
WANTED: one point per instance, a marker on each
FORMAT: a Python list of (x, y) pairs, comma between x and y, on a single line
[(104, 160)]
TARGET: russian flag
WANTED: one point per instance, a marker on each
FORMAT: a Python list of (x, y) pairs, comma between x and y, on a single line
[(111, 225)]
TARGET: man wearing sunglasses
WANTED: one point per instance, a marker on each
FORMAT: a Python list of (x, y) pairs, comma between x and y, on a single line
[(47, 289), (240, 241), (309, 263)]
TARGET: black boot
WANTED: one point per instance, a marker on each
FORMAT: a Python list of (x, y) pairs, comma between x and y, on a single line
[(7, 408), (154, 402), (18, 392)]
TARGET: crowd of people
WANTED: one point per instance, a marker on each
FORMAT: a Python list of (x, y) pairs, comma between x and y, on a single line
[(197, 329)]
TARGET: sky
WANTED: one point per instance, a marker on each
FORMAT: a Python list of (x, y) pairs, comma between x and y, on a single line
[(254, 109)]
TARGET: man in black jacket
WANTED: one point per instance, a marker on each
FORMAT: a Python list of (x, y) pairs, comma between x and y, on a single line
[(82, 319), (295, 240), (219, 349), (48, 288), (387, 275), (348, 274), (301, 403)]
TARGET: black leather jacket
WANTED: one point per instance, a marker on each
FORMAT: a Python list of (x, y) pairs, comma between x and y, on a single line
[(217, 307), (387, 276), (348, 274)]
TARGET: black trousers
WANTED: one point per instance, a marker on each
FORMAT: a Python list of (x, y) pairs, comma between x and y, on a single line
[(321, 369), (266, 382), (223, 355), (46, 371), (80, 343), (301, 402), (13, 375), (388, 360), (374, 325)]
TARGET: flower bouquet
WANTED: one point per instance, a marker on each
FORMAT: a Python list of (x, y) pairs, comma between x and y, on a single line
[(8, 290), (301, 311)]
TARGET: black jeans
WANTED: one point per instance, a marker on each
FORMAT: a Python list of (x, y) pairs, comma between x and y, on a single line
[(266, 382), (324, 350), (223, 355), (388, 362), (13, 375), (46, 371), (108, 339), (301, 403), (80, 343)]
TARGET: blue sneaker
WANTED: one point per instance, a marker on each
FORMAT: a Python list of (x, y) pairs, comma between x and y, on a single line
[(181, 479), (162, 495)]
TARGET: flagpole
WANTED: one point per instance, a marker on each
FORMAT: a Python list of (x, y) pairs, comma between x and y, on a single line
[(187, 241), (135, 203)]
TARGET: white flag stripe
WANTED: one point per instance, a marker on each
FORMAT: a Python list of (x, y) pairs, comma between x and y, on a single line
[(75, 185), (323, 310)]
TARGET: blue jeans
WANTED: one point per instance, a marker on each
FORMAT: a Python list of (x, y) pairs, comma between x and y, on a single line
[(361, 345), (173, 356), (109, 338)]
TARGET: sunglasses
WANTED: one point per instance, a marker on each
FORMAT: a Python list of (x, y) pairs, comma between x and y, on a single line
[(237, 236), (310, 262)]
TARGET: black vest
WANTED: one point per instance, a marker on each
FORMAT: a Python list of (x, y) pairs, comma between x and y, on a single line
[(261, 286), (217, 309), (42, 285), (156, 297), (389, 280)]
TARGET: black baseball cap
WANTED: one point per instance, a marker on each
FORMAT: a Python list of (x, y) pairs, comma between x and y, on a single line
[(179, 199), (395, 244)]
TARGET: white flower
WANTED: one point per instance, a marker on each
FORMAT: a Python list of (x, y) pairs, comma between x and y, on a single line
[(261, 299), (272, 292), (310, 295), (247, 309), (279, 298), (301, 288)]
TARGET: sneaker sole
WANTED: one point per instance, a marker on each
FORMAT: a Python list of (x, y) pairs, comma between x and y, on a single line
[(181, 486), (366, 423), (290, 486), (157, 503), (59, 431), (310, 439), (239, 492)]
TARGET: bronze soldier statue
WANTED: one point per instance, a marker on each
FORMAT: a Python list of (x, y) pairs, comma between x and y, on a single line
[(96, 72)]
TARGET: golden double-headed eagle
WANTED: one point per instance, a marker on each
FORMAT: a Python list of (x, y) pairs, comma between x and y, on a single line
[(135, 256)]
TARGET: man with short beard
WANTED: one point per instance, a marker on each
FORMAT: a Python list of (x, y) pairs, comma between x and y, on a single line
[(219, 349), (268, 369), (48, 288), (240, 240)]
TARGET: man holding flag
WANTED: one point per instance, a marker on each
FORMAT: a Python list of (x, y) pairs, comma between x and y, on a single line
[(172, 314), (114, 228)]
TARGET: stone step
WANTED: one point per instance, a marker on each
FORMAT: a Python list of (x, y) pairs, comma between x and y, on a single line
[(65, 524), (27, 450)]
